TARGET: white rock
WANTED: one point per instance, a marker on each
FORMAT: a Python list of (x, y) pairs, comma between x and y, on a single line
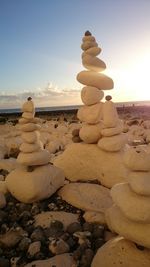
[(113, 143), (53, 146), (90, 114), (44, 219), (89, 197), (28, 106), (63, 260), (133, 206), (90, 134), (110, 115), (41, 183), (88, 38), (98, 80), (29, 127), (30, 137), (134, 231), (8, 164), (93, 51), (29, 148), (140, 182), (88, 44), (91, 95), (28, 115), (35, 158), (93, 63), (119, 252), (84, 162), (2, 200), (23, 121), (112, 131), (94, 217), (137, 158)]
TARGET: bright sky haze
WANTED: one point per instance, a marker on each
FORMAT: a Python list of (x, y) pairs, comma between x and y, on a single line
[(40, 52)]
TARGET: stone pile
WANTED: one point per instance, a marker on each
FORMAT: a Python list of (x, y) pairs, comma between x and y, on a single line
[(92, 93), (112, 137), (130, 216), (35, 178)]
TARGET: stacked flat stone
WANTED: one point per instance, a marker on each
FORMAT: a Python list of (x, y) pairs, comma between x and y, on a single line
[(92, 93), (130, 216), (32, 152), (112, 137)]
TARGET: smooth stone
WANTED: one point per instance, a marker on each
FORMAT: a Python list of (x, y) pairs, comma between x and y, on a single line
[(107, 132), (2, 200), (140, 182), (8, 164), (110, 115), (84, 162), (94, 217), (86, 196), (93, 51), (88, 38), (44, 219), (90, 114), (119, 252), (11, 237), (62, 260), (23, 121), (29, 148), (28, 106), (113, 143), (29, 127), (30, 137), (90, 134), (35, 158), (93, 63), (134, 231), (137, 158), (28, 115), (3, 187), (34, 248), (132, 205), (98, 80), (41, 183), (88, 44), (91, 95)]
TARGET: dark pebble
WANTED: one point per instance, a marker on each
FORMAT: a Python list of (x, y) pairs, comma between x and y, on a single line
[(24, 244), (3, 216), (98, 243), (74, 227), (38, 235), (4, 262), (88, 227), (98, 231)]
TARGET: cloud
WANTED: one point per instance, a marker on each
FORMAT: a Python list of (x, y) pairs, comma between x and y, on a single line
[(50, 95)]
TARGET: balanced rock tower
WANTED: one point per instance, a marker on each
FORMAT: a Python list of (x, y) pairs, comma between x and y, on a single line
[(36, 178), (130, 216), (112, 139), (92, 93)]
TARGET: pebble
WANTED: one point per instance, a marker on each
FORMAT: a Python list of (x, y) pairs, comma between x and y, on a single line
[(24, 244), (58, 246), (74, 227), (34, 248), (4, 262), (38, 235)]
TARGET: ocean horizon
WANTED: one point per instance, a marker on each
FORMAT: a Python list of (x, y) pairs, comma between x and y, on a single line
[(59, 108)]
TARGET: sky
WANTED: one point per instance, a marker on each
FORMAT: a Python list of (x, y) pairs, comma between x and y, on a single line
[(40, 49)]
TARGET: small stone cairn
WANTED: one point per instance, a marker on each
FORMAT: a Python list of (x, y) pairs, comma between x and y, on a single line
[(35, 178), (130, 216)]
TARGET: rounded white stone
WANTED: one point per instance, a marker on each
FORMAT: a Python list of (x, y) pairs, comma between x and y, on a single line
[(93, 51), (23, 121), (91, 95), (137, 159), (29, 187), (90, 114), (88, 38), (88, 44), (140, 182), (119, 252), (28, 106), (29, 148), (28, 115), (133, 206), (90, 134), (35, 158), (112, 131), (30, 137), (134, 231), (98, 80), (93, 63), (29, 127), (110, 115), (113, 143)]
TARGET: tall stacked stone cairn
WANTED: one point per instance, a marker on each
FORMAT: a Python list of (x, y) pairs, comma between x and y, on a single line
[(36, 178), (130, 215), (92, 93)]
